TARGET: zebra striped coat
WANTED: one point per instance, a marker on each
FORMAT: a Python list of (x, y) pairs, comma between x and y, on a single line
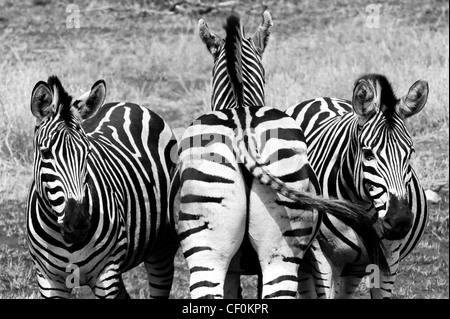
[(97, 205), (361, 152), (228, 157)]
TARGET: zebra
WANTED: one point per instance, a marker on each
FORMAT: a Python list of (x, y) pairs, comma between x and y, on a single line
[(227, 159), (97, 204), (361, 152)]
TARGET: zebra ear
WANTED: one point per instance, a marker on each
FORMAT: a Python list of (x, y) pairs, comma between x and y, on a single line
[(364, 101), (89, 103), (414, 101), (210, 38), (41, 101), (261, 36)]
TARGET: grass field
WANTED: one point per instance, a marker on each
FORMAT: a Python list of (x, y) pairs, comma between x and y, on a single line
[(154, 57)]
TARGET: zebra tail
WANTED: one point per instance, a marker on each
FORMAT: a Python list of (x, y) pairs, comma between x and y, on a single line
[(350, 214)]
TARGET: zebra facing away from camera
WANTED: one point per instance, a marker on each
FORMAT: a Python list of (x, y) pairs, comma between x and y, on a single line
[(360, 151), (243, 172), (97, 205)]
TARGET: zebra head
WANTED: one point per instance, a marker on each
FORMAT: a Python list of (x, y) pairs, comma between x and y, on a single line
[(385, 147), (238, 74), (61, 154)]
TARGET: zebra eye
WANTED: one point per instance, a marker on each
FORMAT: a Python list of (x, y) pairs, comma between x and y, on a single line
[(46, 154), (368, 154)]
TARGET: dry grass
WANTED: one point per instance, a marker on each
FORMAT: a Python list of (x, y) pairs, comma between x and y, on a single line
[(316, 49)]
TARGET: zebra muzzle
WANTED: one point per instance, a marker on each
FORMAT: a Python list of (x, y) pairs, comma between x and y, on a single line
[(398, 220), (76, 223)]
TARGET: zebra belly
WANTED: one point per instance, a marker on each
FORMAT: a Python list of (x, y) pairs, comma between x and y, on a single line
[(340, 243)]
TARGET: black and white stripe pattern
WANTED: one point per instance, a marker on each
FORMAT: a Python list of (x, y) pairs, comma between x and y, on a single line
[(238, 74), (98, 201), (214, 199), (227, 159), (360, 151)]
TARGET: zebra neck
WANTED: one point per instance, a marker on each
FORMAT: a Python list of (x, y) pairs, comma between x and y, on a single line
[(351, 168), (332, 148), (46, 212)]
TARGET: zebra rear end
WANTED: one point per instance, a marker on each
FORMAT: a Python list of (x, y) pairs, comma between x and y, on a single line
[(217, 206)]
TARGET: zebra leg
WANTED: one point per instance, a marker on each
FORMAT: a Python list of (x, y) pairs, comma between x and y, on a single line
[(232, 287), (208, 268), (386, 285), (349, 280), (279, 253), (211, 225), (109, 285), (383, 288), (306, 283), (122, 294), (315, 274), (160, 270), (208, 252), (380, 284), (53, 289)]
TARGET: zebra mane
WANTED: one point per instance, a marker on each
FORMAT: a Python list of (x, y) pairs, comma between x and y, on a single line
[(388, 99), (64, 99), (233, 55)]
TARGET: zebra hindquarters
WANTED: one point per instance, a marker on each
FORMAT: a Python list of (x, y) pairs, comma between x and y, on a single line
[(280, 234), (211, 222)]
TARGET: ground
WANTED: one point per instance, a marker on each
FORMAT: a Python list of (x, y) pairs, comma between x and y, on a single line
[(149, 52)]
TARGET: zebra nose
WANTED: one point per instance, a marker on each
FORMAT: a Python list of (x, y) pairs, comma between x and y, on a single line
[(77, 222), (398, 220)]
